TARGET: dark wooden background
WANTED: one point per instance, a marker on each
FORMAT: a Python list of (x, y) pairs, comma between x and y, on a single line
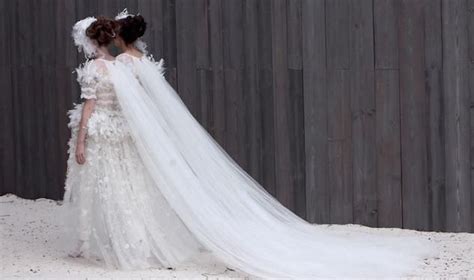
[(348, 111)]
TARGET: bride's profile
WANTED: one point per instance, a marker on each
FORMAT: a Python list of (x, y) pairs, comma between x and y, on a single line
[(151, 188)]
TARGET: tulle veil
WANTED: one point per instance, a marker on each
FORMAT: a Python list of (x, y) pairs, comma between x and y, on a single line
[(226, 209)]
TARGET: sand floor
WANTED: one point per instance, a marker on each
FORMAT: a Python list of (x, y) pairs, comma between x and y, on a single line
[(29, 228)]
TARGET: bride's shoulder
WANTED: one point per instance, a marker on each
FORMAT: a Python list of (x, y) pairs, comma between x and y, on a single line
[(91, 69)]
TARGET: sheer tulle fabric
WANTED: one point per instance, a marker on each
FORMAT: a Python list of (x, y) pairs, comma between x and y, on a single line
[(111, 203), (229, 212)]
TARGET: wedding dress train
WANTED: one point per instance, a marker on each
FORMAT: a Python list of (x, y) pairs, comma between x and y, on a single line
[(224, 208)]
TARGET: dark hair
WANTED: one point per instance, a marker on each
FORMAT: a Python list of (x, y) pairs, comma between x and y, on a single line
[(102, 30), (131, 28)]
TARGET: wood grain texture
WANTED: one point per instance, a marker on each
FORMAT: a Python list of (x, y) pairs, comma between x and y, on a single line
[(457, 115), (363, 113), (471, 79), (413, 106), (434, 90), (389, 176), (315, 111), (387, 99)]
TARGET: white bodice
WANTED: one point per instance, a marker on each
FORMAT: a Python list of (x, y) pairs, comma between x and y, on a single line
[(106, 123)]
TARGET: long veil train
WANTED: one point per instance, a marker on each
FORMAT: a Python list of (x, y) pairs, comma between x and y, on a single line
[(226, 209)]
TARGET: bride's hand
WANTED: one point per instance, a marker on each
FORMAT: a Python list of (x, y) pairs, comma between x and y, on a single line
[(80, 153)]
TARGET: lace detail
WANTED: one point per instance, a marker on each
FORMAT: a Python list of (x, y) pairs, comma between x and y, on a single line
[(95, 84), (111, 205)]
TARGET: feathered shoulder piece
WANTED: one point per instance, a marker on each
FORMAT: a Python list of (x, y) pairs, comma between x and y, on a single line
[(88, 72), (160, 64)]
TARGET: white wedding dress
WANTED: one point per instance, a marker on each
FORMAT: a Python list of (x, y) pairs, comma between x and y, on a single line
[(112, 206), (156, 189)]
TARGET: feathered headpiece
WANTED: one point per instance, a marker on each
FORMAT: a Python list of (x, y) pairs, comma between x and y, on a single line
[(139, 44), (84, 43)]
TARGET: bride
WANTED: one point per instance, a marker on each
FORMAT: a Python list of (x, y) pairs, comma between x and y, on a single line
[(147, 186)]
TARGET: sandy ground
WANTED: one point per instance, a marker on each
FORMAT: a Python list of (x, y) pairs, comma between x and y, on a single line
[(29, 229)]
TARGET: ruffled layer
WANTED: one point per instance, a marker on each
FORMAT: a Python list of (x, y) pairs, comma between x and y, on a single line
[(103, 124)]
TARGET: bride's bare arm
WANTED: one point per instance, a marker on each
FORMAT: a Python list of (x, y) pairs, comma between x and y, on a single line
[(87, 110)]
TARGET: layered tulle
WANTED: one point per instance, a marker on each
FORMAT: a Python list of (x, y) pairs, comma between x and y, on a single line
[(228, 211), (111, 204)]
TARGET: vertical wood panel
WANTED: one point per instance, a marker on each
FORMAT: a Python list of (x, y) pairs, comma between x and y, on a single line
[(389, 181), (232, 16), (217, 65), (386, 33), (433, 79), (389, 187), (457, 118), (296, 104), (169, 40), (266, 92), (471, 52), (339, 147), (186, 55), (7, 140), (337, 34), (295, 54), (285, 190), (315, 111), (253, 101), (339, 121), (298, 148), (413, 104), (363, 113)]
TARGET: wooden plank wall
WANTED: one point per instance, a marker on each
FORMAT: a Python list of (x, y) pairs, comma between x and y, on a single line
[(348, 111)]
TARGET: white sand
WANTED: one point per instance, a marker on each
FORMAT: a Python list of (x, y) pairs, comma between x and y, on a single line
[(29, 229)]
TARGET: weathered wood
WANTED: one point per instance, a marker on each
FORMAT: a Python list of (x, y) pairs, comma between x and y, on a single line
[(413, 106), (169, 34), (204, 89), (217, 65), (386, 33), (253, 101), (152, 11), (7, 140), (298, 148), (389, 177), (295, 54), (433, 80), (339, 151), (203, 58), (457, 115), (471, 79), (203, 62), (235, 140), (389, 181), (282, 116), (337, 34), (363, 113), (315, 111), (266, 92), (186, 60), (339, 124)]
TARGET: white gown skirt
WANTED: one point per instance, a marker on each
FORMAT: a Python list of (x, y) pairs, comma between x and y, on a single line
[(111, 205)]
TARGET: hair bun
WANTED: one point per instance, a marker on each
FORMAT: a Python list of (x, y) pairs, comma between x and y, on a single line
[(102, 30), (132, 28)]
